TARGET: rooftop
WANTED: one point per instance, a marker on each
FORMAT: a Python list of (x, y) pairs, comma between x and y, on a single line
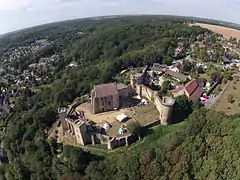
[(104, 90), (176, 75), (193, 89)]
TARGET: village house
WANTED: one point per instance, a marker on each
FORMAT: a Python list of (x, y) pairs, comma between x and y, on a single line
[(192, 90), (177, 76)]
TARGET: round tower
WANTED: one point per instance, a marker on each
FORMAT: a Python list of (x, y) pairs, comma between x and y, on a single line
[(167, 109)]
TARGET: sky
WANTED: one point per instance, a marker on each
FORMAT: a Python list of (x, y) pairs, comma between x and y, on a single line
[(18, 14)]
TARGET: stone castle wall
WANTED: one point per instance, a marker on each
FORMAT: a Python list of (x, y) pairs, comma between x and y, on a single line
[(145, 92), (164, 105)]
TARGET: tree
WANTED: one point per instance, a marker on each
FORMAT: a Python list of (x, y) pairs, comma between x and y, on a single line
[(147, 156), (102, 50), (216, 77), (166, 86), (167, 61), (135, 128), (195, 104), (230, 98), (187, 67), (227, 75), (225, 80), (200, 70), (182, 108)]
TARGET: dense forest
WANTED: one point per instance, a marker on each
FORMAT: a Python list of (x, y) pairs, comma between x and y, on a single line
[(204, 147)]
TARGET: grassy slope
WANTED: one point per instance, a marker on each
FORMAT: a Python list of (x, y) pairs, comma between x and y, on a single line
[(223, 105), (156, 138)]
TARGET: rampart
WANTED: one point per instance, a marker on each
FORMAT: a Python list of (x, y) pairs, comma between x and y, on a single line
[(164, 105)]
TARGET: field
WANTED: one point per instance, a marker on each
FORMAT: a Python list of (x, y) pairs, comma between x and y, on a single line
[(225, 31), (225, 103)]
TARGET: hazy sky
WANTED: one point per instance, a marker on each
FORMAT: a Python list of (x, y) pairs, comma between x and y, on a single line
[(18, 14)]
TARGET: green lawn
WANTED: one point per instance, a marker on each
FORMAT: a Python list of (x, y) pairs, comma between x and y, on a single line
[(223, 103)]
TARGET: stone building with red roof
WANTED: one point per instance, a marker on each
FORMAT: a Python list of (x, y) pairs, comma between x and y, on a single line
[(192, 90)]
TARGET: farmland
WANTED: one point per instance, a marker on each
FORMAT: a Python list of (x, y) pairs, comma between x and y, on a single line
[(225, 31)]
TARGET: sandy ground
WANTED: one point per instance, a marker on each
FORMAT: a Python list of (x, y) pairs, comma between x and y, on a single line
[(144, 115), (101, 117), (226, 32)]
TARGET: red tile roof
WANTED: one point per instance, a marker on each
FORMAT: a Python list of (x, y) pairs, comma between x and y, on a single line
[(193, 89), (105, 90)]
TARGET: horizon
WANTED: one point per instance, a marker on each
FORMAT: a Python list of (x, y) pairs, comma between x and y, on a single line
[(22, 14), (117, 16)]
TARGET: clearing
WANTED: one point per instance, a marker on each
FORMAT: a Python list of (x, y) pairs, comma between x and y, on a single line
[(225, 104), (225, 31)]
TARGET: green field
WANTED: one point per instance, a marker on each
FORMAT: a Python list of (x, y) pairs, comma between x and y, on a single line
[(224, 104)]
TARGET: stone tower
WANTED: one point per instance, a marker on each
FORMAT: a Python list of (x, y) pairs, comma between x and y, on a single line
[(166, 110)]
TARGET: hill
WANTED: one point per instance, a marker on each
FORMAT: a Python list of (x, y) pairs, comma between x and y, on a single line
[(204, 147), (101, 49)]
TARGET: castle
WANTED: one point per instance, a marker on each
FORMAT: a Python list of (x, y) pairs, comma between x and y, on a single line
[(164, 105), (108, 97)]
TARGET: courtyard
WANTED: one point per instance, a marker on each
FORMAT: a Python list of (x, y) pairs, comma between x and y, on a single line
[(145, 114)]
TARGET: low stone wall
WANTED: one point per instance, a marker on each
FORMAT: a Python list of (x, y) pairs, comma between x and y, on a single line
[(114, 142), (154, 123)]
